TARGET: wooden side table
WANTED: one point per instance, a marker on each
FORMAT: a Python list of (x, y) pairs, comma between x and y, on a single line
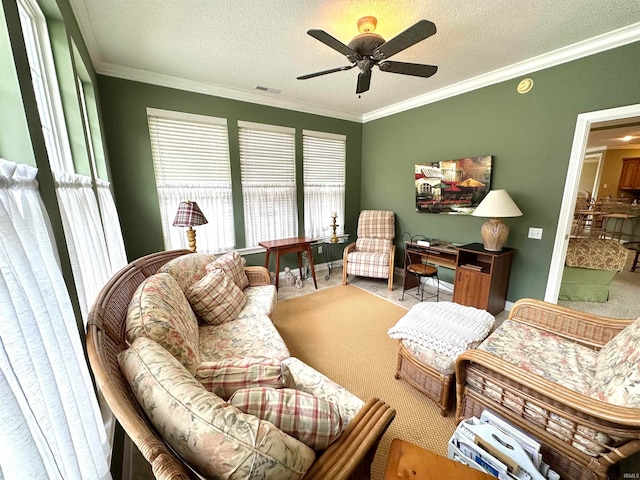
[(410, 462), (290, 245)]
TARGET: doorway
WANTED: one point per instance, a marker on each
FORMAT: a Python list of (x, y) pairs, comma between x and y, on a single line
[(578, 150)]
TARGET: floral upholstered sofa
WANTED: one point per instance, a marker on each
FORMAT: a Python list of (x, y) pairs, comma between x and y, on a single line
[(188, 359)]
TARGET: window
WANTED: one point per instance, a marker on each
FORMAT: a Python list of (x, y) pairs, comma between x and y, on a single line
[(45, 85), (78, 204), (267, 164), (191, 162), (324, 181)]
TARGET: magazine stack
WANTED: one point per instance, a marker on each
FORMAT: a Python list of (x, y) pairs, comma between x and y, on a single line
[(494, 446)]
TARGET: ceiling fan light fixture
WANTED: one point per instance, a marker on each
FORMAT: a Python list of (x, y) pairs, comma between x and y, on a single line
[(368, 50), (367, 24)]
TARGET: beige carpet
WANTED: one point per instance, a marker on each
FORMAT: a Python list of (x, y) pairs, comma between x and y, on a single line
[(342, 332), (623, 295)]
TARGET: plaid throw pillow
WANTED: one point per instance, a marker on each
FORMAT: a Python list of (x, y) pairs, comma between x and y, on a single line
[(313, 421), (215, 298), (233, 265), (225, 377)]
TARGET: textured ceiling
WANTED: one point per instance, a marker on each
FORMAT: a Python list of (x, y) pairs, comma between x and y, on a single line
[(226, 47)]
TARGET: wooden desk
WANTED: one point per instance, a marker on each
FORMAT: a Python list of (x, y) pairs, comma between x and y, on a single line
[(482, 277), (440, 254), (290, 245), (410, 462)]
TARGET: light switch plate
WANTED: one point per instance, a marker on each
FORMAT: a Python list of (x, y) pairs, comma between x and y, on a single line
[(535, 233)]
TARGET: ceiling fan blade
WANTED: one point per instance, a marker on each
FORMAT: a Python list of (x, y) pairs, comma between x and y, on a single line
[(364, 80), (336, 44), (415, 69), (412, 35), (324, 72)]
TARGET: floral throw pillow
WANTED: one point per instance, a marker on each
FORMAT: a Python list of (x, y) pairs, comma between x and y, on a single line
[(215, 298), (313, 421), (159, 310), (233, 265), (188, 269), (213, 437), (225, 377), (617, 377)]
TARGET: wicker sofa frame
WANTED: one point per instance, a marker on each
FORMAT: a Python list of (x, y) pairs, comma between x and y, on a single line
[(480, 367), (349, 457)]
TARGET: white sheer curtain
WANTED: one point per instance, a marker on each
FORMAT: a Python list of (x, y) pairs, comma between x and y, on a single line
[(85, 236), (320, 201), (216, 203), (270, 212), (51, 426), (111, 226)]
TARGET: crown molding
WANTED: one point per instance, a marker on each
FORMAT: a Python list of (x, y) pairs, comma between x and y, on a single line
[(261, 98), (601, 43)]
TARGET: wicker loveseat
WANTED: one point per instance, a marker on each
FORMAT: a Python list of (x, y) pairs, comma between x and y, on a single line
[(590, 266), (569, 378), (268, 452)]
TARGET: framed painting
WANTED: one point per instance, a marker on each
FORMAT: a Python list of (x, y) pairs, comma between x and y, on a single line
[(452, 186)]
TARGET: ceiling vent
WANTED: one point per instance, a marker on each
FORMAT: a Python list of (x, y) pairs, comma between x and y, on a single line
[(266, 89)]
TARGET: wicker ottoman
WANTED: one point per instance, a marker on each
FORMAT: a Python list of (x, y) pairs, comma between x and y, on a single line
[(431, 336)]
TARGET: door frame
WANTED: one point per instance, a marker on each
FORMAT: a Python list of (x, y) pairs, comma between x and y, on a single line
[(578, 150), (596, 158)]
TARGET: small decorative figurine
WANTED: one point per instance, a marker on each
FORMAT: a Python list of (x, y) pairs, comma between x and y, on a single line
[(298, 282), (288, 277)]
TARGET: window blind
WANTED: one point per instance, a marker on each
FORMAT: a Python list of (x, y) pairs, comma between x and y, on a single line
[(267, 154), (192, 150), (191, 162)]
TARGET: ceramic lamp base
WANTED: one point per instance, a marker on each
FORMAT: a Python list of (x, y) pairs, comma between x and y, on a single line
[(494, 234), (191, 238)]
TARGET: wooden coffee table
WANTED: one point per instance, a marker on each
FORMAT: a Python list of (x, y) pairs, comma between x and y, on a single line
[(410, 462), (290, 245)]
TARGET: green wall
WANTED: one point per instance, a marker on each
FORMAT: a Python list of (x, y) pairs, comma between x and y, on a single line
[(124, 104), (530, 137)]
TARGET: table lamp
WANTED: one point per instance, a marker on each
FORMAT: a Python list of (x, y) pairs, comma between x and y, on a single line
[(495, 232), (189, 215)]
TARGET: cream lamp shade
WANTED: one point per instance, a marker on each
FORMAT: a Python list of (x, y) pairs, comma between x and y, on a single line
[(495, 205), (189, 215)]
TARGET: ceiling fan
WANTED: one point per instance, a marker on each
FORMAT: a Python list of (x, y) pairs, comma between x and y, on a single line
[(368, 49)]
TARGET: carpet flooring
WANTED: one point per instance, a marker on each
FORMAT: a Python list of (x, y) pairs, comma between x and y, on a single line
[(342, 332), (623, 295)]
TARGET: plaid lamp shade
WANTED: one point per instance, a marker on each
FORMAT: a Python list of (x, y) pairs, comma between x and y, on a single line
[(189, 215)]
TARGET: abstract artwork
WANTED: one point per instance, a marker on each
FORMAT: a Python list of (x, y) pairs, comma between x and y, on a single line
[(452, 186)]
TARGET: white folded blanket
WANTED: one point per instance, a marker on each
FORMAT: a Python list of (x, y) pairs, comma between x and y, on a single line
[(445, 327)]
